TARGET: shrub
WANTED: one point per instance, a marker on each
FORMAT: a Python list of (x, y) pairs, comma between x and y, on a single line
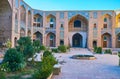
[(99, 50), (42, 47), (43, 72), (14, 59), (49, 59), (46, 68), (108, 51), (95, 49), (47, 53), (25, 46), (119, 53), (62, 48), (4, 67), (55, 50), (36, 45), (2, 75)]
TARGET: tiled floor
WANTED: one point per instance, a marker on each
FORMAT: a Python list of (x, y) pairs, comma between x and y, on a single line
[(104, 67)]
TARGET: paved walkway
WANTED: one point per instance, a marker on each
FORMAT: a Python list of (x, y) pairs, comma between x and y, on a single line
[(104, 67)]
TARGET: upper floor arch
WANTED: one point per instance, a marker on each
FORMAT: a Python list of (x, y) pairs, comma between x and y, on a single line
[(78, 23)]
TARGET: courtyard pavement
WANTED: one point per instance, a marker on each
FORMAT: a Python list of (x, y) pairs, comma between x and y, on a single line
[(104, 67)]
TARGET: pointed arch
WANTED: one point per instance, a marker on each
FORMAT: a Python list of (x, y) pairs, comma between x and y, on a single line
[(78, 23), (106, 40), (38, 20), (51, 39)]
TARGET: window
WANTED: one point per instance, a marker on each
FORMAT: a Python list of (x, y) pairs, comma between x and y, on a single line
[(51, 19), (61, 42), (119, 19), (51, 25), (119, 38), (77, 23), (51, 37), (61, 25), (95, 26), (105, 19), (38, 25), (105, 26), (61, 28), (34, 19), (38, 20), (94, 43), (105, 38)]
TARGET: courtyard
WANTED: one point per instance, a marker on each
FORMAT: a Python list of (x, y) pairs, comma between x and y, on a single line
[(104, 67)]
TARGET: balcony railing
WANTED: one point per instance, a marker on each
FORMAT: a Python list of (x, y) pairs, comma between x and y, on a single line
[(48, 29), (35, 29), (77, 29)]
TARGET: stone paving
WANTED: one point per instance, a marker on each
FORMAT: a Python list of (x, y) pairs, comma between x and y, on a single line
[(104, 67)]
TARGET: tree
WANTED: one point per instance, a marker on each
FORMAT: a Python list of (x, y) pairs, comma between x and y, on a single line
[(36, 45), (25, 46)]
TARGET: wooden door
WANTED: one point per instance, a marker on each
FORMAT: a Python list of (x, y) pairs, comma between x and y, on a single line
[(104, 44)]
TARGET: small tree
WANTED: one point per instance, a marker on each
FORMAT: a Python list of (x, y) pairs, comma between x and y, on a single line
[(62, 48), (36, 45), (14, 60), (25, 46)]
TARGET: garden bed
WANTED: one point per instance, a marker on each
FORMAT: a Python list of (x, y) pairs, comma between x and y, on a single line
[(84, 57)]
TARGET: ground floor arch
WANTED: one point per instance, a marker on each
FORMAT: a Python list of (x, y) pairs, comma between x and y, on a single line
[(38, 36), (77, 40), (118, 40), (106, 40), (51, 40)]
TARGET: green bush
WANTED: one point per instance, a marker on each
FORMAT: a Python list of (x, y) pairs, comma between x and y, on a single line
[(2, 75), (43, 72), (62, 48), (98, 50), (47, 53), (14, 60), (36, 45), (55, 50), (108, 51), (42, 47), (46, 68), (49, 59), (4, 67), (95, 49), (25, 46)]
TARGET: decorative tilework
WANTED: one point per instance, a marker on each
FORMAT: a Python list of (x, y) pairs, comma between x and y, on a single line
[(83, 13), (50, 12), (103, 13), (94, 15), (61, 15), (38, 12)]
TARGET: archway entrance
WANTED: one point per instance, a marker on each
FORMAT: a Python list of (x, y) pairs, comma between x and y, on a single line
[(51, 40), (38, 36), (77, 40), (106, 40)]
